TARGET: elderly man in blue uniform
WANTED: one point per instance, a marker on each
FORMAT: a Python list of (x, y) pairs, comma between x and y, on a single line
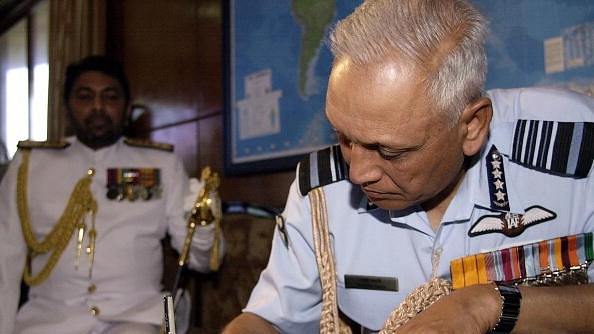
[(436, 189), (83, 219)]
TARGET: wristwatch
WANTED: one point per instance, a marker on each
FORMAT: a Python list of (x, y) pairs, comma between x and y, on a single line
[(510, 308)]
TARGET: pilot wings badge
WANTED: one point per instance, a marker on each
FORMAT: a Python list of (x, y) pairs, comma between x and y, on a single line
[(511, 224)]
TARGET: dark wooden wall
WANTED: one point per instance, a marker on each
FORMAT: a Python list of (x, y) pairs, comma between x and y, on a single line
[(172, 51), (173, 55)]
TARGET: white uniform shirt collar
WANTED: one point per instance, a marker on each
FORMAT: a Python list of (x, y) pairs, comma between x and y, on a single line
[(83, 149)]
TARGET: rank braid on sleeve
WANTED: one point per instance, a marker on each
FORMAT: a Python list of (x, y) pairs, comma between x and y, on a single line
[(321, 168), (560, 148)]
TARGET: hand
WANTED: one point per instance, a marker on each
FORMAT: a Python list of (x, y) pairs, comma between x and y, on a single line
[(471, 310), (249, 323)]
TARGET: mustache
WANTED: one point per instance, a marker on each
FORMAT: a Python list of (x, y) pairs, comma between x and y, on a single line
[(97, 117)]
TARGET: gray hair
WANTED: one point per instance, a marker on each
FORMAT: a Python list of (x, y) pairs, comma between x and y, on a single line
[(443, 39)]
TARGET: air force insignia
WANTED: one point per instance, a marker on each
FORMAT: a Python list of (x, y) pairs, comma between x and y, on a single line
[(511, 224)]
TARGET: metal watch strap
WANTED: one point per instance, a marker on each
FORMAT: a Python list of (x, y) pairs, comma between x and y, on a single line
[(510, 308)]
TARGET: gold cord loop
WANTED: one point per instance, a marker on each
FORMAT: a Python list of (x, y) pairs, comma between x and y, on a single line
[(330, 321), (80, 204)]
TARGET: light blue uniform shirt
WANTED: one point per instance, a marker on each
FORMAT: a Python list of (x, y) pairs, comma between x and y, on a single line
[(401, 245)]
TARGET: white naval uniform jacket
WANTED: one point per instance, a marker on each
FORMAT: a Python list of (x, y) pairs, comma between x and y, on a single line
[(399, 246), (127, 269)]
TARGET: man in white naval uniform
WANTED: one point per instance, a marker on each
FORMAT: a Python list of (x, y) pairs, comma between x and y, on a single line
[(100, 204), (434, 181)]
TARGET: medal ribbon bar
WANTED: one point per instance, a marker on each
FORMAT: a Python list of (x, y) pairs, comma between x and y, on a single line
[(556, 261)]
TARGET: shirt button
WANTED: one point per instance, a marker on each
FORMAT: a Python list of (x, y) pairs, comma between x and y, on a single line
[(92, 288), (95, 311)]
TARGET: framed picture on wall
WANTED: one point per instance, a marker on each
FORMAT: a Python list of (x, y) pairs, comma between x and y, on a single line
[(276, 67)]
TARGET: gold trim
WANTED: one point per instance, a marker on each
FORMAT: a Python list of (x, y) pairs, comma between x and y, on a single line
[(28, 144), (148, 144), (80, 204)]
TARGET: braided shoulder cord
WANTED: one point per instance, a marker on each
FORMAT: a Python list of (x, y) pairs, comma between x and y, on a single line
[(81, 201), (419, 299), (414, 303), (330, 321)]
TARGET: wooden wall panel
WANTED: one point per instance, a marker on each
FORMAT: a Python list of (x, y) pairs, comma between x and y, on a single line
[(172, 51), (159, 51), (184, 136)]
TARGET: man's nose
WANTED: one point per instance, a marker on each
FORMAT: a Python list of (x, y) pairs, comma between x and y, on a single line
[(98, 103), (363, 167)]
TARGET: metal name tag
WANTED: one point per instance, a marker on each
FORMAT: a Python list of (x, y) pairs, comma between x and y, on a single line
[(371, 282)]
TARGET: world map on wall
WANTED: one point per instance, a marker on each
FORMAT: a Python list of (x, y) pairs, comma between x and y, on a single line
[(279, 64)]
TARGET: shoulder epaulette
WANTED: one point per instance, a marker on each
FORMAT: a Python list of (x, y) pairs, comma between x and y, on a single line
[(148, 144), (321, 168), (29, 144), (560, 148)]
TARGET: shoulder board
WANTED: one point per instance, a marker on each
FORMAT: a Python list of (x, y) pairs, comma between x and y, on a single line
[(148, 144), (29, 144), (321, 168), (560, 148)]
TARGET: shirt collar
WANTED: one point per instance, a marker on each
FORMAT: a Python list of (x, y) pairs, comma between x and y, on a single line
[(474, 191)]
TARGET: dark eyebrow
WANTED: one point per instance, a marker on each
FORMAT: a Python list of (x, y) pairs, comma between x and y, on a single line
[(105, 90), (378, 146), (112, 88), (83, 88), (392, 150), (341, 135)]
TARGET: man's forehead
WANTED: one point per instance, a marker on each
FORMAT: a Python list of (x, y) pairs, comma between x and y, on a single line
[(94, 79), (85, 87), (382, 86), (378, 104), (387, 67)]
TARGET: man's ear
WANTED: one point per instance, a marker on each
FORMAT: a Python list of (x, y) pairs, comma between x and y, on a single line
[(476, 118)]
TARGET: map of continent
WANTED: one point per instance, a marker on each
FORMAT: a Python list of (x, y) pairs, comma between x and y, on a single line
[(279, 66), (314, 16)]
